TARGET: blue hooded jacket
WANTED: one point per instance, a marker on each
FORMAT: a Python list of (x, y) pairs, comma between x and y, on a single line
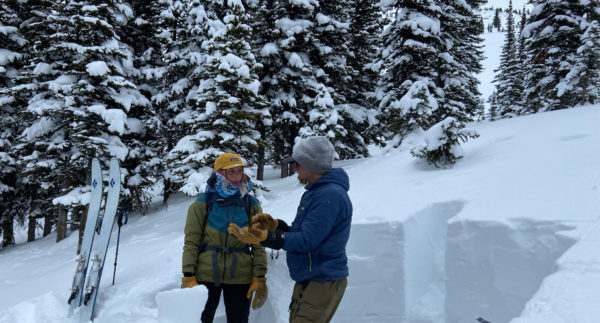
[(316, 243)]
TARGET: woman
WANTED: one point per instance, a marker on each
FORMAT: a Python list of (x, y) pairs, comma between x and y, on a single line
[(214, 258)]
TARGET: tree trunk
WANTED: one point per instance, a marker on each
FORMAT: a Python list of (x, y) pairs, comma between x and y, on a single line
[(82, 224), (286, 169), (61, 223), (47, 225), (167, 190), (31, 224), (260, 172), (8, 234)]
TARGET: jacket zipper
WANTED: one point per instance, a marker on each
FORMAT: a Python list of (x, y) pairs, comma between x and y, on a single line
[(309, 262)]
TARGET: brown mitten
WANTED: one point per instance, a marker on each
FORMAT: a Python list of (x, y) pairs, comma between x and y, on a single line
[(247, 235), (259, 287), (188, 282), (263, 221)]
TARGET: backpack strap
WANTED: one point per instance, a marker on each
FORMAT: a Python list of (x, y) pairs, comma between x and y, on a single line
[(209, 203)]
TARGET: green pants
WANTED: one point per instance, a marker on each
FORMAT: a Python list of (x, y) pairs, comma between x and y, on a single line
[(314, 301)]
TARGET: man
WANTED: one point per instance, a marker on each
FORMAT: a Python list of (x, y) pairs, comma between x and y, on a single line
[(316, 241)]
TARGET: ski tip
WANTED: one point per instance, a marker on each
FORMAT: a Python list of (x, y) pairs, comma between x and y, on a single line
[(482, 320)]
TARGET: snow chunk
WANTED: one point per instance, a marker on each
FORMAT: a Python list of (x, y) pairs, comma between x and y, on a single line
[(180, 305), (39, 128), (42, 68), (7, 56), (115, 118), (295, 60), (97, 68), (78, 196), (269, 49)]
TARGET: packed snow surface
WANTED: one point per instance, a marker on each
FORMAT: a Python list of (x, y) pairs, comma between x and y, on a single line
[(509, 233)]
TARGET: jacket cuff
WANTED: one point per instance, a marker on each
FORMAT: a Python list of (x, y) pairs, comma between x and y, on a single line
[(275, 239), (188, 275), (282, 226)]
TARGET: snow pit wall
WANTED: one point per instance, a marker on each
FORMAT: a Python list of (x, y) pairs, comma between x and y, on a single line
[(433, 269)]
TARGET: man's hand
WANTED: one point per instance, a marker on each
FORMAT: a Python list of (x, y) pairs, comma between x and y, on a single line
[(247, 235), (263, 221)]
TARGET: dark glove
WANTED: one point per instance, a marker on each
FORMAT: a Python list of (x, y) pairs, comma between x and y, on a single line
[(259, 287)]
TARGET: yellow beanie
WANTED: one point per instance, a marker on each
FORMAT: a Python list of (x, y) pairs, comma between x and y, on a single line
[(228, 160)]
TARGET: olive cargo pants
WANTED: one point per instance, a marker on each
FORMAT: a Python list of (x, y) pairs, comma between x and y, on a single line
[(315, 301)]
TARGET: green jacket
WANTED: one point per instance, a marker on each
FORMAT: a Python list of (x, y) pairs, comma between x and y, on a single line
[(247, 265)]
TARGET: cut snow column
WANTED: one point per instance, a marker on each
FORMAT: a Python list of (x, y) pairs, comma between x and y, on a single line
[(494, 268), (424, 262), (375, 290)]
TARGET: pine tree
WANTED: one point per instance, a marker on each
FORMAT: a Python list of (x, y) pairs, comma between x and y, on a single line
[(442, 143), (585, 74), (226, 104), (497, 23), (12, 48), (431, 58), (180, 31), (461, 29), (291, 80), (555, 76), (508, 77), (365, 30), (144, 163), (408, 90), (80, 98)]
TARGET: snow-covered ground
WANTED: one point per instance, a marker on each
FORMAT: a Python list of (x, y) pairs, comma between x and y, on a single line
[(510, 234)]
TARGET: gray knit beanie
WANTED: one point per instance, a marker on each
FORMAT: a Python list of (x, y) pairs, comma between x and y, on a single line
[(314, 153)]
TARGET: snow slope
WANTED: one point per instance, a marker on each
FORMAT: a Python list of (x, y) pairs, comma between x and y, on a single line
[(511, 232)]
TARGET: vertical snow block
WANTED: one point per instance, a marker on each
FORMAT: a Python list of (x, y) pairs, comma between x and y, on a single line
[(494, 268), (181, 305), (375, 285), (424, 263)]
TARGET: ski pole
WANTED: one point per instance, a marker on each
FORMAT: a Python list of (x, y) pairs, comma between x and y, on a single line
[(120, 222)]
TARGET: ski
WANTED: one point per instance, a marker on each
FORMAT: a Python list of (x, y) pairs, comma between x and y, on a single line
[(88, 237), (98, 255)]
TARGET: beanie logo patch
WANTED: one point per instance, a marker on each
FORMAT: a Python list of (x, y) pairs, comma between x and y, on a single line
[(234, 159)]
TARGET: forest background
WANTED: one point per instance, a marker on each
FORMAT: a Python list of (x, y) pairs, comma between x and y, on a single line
[(165, 86)]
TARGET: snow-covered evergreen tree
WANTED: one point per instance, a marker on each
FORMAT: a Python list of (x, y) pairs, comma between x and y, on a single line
[(145, 164), (12, 49), (289, 79), (79, 99), (442, 143), (555, 76), (408, 91), (430, 64), (584, 78), (497, 23), (181, 32), (462, 28), (226, 105), (508, 78), (359, 111)]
